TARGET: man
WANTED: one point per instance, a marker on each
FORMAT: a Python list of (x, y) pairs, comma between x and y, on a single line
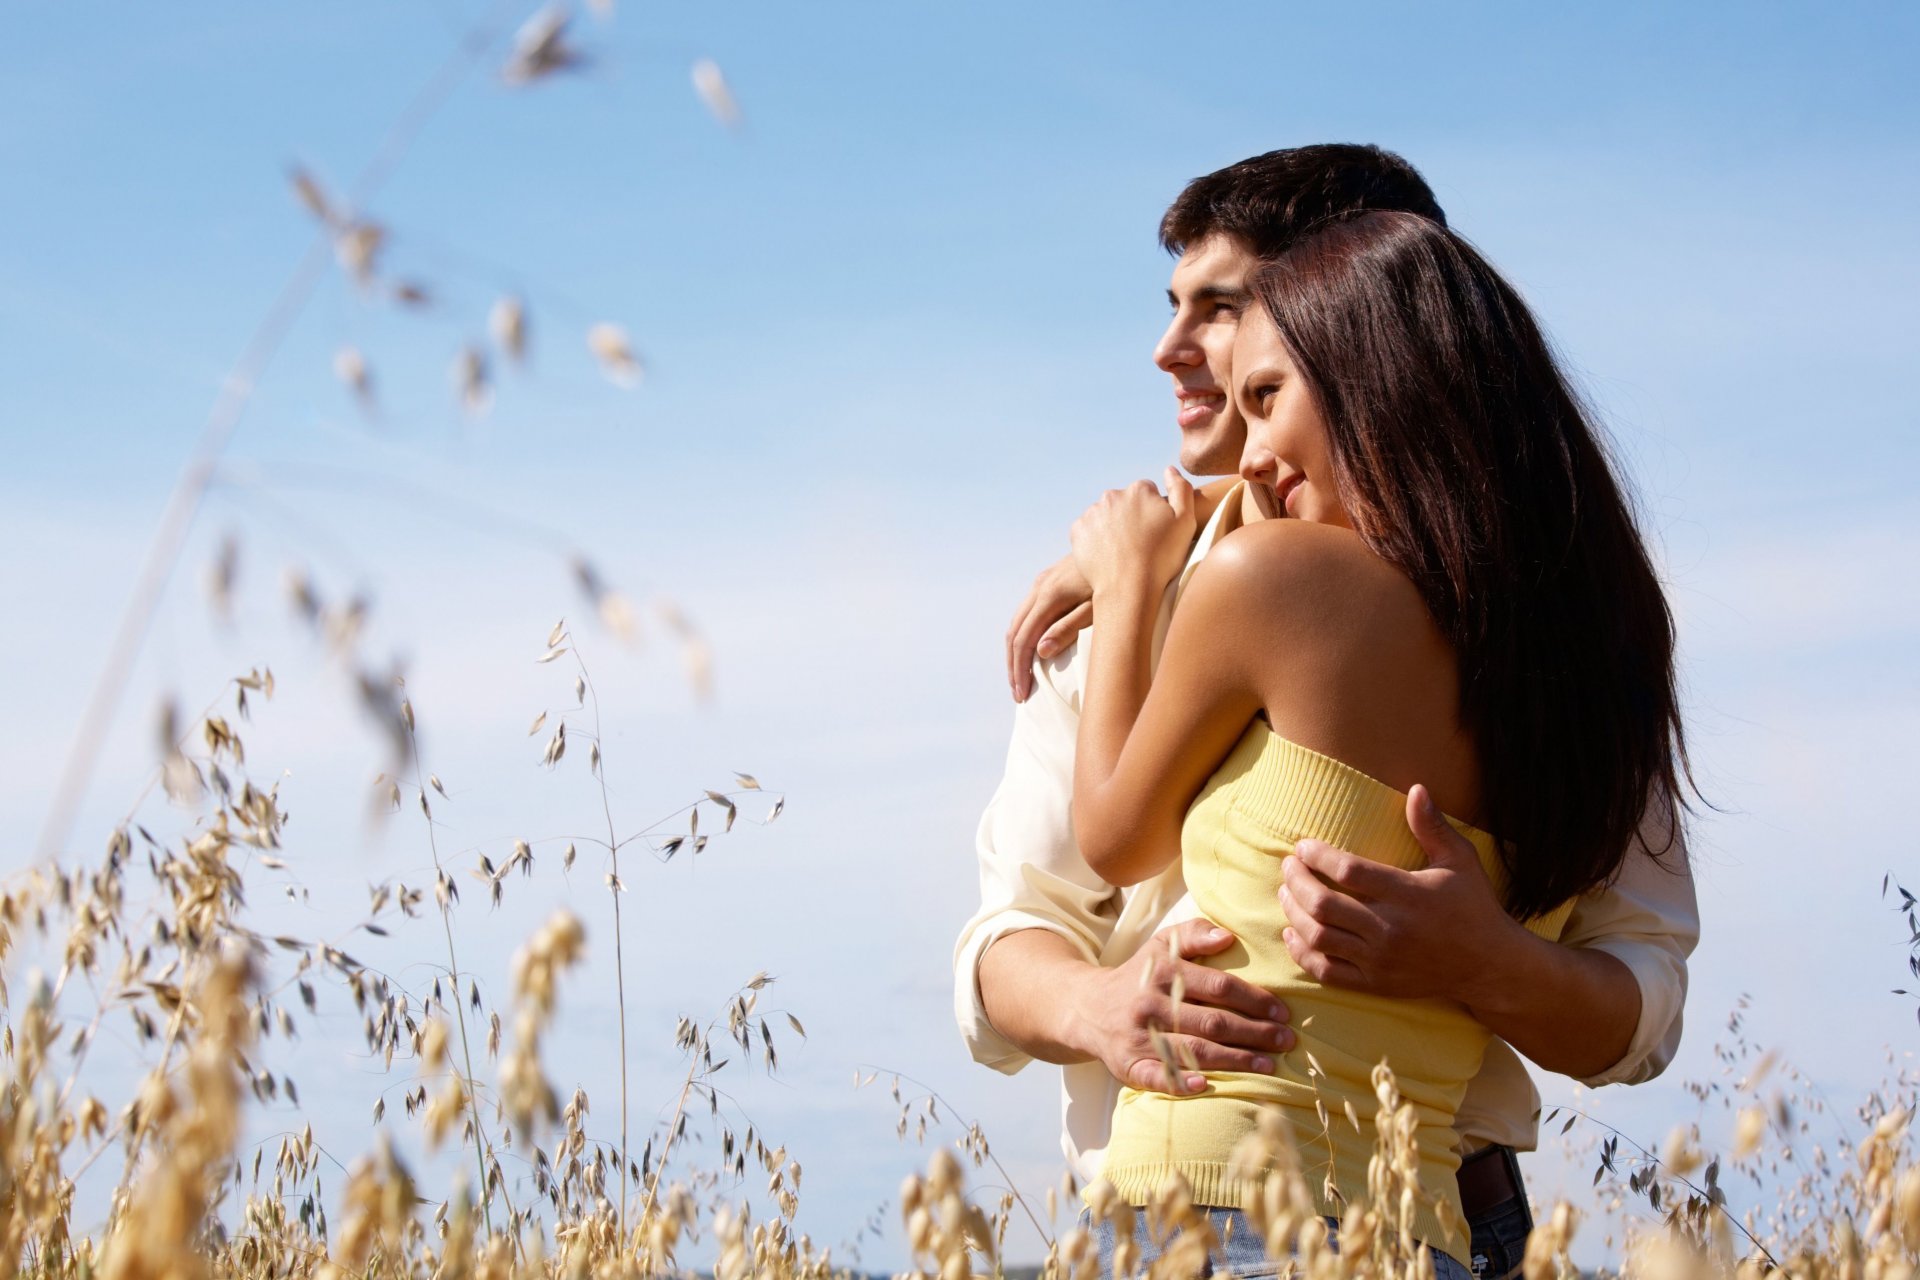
[(1063, 967)]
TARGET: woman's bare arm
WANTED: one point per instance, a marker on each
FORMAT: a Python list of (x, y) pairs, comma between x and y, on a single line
[(1298, 619), (1147, 745), (1059, 604)]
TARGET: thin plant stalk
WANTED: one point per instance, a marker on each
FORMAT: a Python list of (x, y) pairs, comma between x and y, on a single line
[(1661, 1165), (137, 1134), (619, 955), (459, 1004), (1013, 1187), (673, 1130), (163, 551)]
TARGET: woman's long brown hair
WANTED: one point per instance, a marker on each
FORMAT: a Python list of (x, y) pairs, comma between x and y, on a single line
[(1464, 459)]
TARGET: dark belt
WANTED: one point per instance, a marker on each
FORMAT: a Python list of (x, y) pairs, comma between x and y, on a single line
[(1489, 1180)]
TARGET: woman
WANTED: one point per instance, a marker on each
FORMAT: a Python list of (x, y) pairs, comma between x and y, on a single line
[(1460, 612)]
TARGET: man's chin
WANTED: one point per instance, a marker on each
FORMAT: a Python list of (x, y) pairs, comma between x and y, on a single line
[(1207, 460)]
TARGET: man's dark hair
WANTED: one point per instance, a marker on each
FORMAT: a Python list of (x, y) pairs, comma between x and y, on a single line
[(1467, 461), (1269, 201)]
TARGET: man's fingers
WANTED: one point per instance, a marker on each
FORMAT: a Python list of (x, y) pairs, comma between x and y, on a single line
[(1214, 1023), (1204, 985), (1318, 965), (1209, 1056), (1062, 633), (1150, 1075), (1444, 846), (1022, 644), (1338, 944), (1230, 1030), (1304, 898), (1193, 938), (1057, 607), (1013, 634), (1212, 1002), (1349, 872), (1190, 1057), (1023, 638)]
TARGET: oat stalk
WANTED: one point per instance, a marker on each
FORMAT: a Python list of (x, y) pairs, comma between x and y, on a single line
[(1654, 1161), (236, 391), (980, 1145), (444, 901), (619, 934)]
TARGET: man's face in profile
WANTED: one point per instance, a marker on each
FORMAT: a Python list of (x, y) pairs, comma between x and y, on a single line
[(1208, 292)]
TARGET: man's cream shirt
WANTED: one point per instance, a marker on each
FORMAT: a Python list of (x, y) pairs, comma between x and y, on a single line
[(1032, 877)]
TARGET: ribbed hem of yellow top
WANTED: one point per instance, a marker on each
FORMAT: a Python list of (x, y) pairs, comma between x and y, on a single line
[(1297, 792), (1214, 1186), (1294, 793)]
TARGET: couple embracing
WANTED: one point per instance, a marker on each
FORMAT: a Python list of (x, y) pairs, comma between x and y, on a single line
[(1372, 752)]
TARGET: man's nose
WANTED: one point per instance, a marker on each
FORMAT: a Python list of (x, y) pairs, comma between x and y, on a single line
[(1176, 349)]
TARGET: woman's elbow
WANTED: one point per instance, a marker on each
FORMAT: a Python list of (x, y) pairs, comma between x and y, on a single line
[(1097, 849), (1105, 847)]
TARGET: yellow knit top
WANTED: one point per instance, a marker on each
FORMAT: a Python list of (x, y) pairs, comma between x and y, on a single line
[(1269, 793)]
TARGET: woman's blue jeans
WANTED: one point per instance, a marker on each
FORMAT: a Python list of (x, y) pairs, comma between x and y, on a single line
[(1240, 1252)]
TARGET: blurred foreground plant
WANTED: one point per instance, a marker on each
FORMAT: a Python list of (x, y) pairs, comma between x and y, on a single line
[(156, 939)]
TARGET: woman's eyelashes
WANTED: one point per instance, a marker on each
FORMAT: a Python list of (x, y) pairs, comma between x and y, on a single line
[(1256, 395)]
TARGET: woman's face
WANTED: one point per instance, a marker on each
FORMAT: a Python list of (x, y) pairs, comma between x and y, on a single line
[(1287, 451)]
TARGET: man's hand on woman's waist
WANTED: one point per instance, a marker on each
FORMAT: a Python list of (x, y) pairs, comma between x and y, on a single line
[(1366, 926), (1061, 1008), (1442, 932)]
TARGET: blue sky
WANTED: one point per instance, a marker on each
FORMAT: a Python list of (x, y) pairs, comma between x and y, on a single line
[(896, 331)]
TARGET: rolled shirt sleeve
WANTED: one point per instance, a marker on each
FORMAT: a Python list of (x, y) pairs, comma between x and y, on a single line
[(1649, 920), (1031, 873), (1032, 877)]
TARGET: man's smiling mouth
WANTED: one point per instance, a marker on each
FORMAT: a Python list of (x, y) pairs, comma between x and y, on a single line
[(1197, 405)]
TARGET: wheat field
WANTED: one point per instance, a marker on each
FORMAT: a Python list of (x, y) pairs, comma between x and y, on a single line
[(163, 1001)]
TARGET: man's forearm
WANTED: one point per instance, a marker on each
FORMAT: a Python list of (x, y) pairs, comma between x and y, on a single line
[(1028, 980), (1572, 1010)]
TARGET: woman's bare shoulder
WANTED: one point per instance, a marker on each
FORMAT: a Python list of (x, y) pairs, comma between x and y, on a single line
[(1346, 656), (1301, 569)]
